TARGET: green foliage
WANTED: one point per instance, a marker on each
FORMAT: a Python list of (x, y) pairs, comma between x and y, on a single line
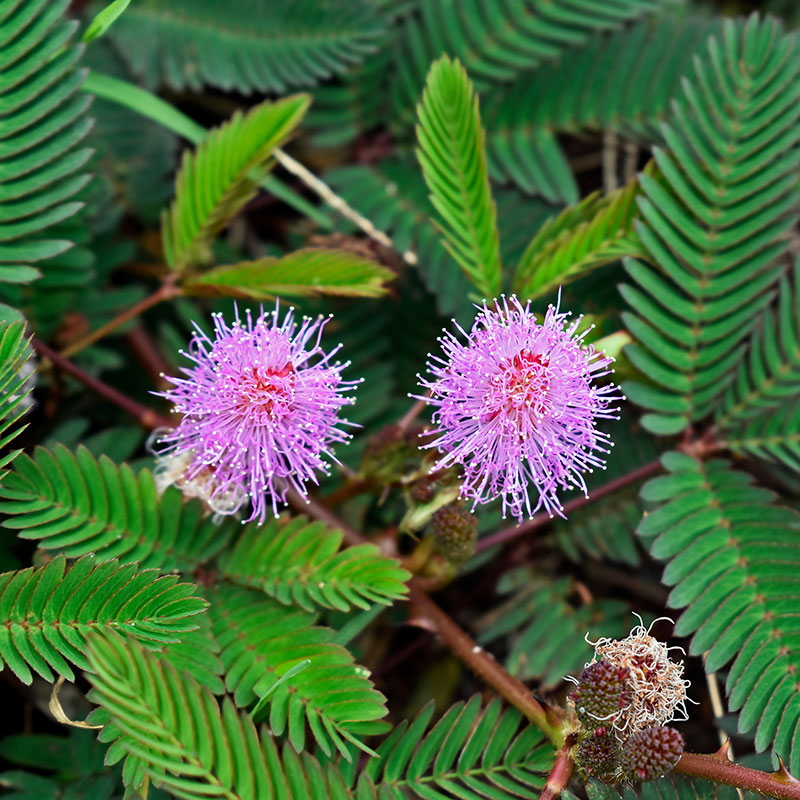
[(309, 271), (621, 81), (717, 221), (453, 157), (261, 640), (249, 48), (76, 504), (185, 741), (671, 788), (300, 563), (43, 120), (546, 631), (759, 413), (733, 565), (596, 231), (222, 175), (15, 387), (470, 752), (104, 20), (47, 612)]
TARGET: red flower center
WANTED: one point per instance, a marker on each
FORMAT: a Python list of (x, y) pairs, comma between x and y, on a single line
[(520, 386), (262, 391)]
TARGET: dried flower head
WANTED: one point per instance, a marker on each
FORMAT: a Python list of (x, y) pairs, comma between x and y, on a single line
[(516, 406), (657, 686), (260, 410)]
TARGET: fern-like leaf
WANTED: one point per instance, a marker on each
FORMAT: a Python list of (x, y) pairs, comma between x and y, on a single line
[(261, 640), (760, 415), (15, 387), (43, 119), (717, 222), (221, 175), (453, 158), (734, 565), (46, 613), (596, 231), (673, 787), (244, 46), (546, 631), (180, 737), (303, 273), (471, 752), (301, 563), (76, 504)]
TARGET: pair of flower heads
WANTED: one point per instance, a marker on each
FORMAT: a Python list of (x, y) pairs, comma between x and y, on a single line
[(515, 407)]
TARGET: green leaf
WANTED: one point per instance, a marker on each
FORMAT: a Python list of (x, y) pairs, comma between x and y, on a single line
[(715, 220), (47, 612), (596, 231), (453, 158), (734, 565), (76, 504), (261, 640), (305, 272), (15, 387), (105, 19), (179, 736), (222, 175), (300, 563), (43, 120)]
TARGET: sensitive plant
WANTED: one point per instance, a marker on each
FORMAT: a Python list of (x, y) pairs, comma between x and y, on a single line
[(576, 184)]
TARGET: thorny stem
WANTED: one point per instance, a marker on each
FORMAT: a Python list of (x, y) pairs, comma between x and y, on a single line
[(514, 531), (778, 784), (166, 292), (428, 615), (560, 773), (143, 415)]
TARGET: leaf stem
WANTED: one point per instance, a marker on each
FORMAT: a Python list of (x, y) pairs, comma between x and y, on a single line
[(539, 520), (780, 784), (143, 415), (166, 292), (560, 773), (428, 615)]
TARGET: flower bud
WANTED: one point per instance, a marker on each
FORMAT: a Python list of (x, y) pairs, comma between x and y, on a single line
[(603, 691), (598, 754), (651, 753), (455, 532)]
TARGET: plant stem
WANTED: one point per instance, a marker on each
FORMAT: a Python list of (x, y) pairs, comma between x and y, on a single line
[(514, 531), (428, 615), (143, 415), (166, 292), (560, 773), (778, 784)]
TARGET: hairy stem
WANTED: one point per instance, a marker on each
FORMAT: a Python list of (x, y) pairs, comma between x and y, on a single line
[(514, 531), (143, 415), (166, 292), (778, 784), (560, 773), (427, 614)]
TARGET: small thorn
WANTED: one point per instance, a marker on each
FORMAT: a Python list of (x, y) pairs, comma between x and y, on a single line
[(783, 775), (724, 752)]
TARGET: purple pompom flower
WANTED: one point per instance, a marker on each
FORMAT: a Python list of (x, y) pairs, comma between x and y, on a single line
[(260, 410), (515, 406)]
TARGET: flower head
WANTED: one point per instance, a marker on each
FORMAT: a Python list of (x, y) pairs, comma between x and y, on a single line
[(516, 406), (260, 410)]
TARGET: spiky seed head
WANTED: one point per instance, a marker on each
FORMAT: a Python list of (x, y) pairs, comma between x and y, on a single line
[(651, 753), (455, 532), (598, 754), (602, 694)]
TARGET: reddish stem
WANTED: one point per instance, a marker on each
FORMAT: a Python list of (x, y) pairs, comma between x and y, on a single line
[(144, 416), (514, 531), (560, 773), (778, 784)]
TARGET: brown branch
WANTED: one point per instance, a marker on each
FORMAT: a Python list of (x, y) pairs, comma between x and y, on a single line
[(428, 615), (560, 773), (143, 415), (780, 784), (514, 531), (166, 292)]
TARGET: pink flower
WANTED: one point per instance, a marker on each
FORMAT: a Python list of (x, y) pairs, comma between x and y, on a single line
[(516, 406), (260, 409)]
